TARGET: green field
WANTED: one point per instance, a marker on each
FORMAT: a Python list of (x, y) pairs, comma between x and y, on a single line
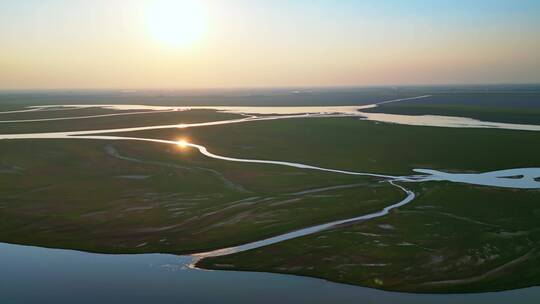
[(452, 238), (115, 196)]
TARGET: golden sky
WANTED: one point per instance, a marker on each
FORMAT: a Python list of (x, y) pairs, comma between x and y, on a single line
[(240, 43)]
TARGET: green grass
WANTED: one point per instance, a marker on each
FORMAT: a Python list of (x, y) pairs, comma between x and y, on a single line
[(484, 238), (75, 194)]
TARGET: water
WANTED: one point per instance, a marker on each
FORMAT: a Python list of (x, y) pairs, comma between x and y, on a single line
[(519, 178), (413, 120), (40, 275)]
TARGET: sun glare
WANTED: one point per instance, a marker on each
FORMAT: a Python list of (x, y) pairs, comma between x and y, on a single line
[(176, 23), (182, 143)]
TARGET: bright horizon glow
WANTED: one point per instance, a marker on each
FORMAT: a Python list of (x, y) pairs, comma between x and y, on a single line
[(176, 23), (194, 44)]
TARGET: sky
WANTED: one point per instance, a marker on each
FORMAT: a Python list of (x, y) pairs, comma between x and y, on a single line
[(144, 44)]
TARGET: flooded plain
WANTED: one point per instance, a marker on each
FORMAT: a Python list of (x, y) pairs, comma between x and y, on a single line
[(66, 275)]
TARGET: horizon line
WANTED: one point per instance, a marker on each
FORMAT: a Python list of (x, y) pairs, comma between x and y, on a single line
[(292, 87)]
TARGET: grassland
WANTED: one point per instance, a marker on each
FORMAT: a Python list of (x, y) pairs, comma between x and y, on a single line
[(452, 238), (452, 232), (134, 197)]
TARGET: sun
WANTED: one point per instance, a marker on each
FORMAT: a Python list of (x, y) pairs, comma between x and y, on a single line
[(176, 23)]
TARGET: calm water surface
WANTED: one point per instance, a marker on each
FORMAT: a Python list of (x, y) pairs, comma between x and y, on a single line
[(40, 275)]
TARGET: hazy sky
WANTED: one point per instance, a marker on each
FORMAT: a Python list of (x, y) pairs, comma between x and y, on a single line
[(235, 43)]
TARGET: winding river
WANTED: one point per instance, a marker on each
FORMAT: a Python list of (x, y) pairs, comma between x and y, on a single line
[(165, 270)]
